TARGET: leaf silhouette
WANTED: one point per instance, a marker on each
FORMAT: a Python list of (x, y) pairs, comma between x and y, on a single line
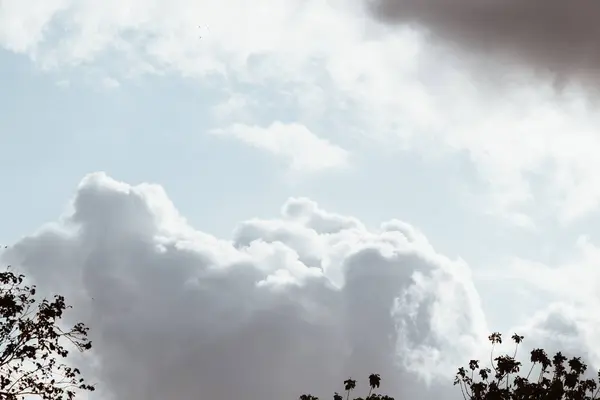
[(374, 380), (349, 384), (33, 342), (554, 379)]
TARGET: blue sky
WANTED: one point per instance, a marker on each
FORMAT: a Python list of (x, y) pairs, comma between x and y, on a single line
[(156, 129), (319, 101)]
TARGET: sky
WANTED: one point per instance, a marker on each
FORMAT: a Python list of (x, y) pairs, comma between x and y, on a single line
[(265, 198)]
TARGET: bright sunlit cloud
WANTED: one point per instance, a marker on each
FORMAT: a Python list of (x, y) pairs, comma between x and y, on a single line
[(381, 119)]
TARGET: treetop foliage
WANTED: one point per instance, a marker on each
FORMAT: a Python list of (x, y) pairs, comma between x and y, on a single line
[(350, 385), (33, 345), (548, 378)]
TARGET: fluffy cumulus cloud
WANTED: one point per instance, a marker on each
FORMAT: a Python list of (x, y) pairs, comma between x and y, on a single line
[(294, 143), (301, 301), (287, 305)]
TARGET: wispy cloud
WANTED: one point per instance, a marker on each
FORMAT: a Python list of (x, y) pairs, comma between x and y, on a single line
[(300, 148), (386, 83)]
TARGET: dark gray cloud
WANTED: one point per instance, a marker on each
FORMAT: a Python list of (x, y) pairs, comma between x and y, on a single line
[(293, 304), (560, 37)]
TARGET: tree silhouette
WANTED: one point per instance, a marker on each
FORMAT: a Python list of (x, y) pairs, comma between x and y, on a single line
[(33, 345), (350, 385), (552, 379)]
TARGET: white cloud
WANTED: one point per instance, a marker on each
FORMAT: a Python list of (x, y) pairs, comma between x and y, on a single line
[(63, 83), (236, 106), (110, 83), (576, 280), (291, 304), (23, 25), (287, 286), (293, 142), (388, 83), (555, 304)]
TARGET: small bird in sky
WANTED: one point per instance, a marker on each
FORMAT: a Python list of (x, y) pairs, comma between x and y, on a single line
[(200, 27)]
